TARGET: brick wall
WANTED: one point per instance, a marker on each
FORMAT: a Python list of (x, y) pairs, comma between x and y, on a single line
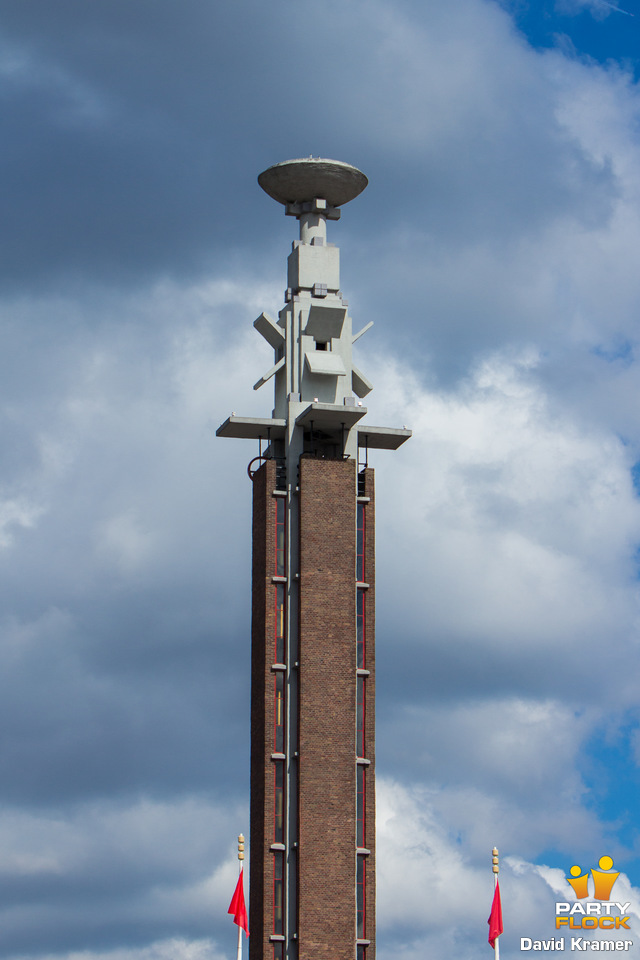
[(262, 656), (326, 926), (327, 711), (370, 576)]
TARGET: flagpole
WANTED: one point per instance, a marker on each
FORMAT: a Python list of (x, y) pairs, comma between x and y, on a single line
[(496, 870), (240, 866)]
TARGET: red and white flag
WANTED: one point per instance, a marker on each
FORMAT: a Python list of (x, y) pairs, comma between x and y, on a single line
[(237, 906), (495, 917)]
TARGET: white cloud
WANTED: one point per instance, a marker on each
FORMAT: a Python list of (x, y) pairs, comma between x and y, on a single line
[(15, 513), (599, 9), (523, 517), (126, 542), (171, 863), (504, 185), (516, 524), (502, 747), (434, 892), (434, 889), (172, 949)]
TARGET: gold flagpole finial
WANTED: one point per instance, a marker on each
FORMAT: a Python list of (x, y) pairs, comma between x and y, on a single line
[(495, 860), (241, 846)]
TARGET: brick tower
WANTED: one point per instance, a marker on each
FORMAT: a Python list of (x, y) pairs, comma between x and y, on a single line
[(312, 850)]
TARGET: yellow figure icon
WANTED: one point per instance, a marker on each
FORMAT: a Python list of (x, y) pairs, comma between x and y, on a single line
[(579, 883), (603, 882)]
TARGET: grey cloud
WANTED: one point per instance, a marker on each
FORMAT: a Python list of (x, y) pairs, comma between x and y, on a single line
[(506, 527), (189, 104)]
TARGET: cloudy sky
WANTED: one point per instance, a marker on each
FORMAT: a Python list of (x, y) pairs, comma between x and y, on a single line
[(496, 249)]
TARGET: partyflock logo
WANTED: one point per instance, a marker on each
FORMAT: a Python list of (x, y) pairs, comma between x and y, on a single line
[(601, 911), (602, 882), (598, 912)]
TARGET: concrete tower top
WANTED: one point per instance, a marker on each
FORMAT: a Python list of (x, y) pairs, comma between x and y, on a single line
[(318, 390), (302, 181)]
